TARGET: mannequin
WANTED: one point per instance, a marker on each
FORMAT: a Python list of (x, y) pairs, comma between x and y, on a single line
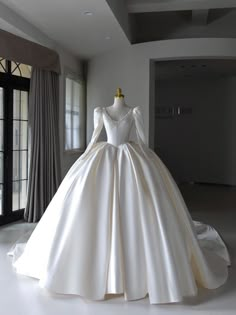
[(119, 108)]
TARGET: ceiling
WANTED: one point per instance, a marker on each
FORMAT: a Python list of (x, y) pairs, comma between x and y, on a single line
[(195, 69), (116, 23), (141, 6), (65, 23), (174, 19)]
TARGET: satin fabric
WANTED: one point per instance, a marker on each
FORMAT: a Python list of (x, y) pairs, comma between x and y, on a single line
[(118, 224)]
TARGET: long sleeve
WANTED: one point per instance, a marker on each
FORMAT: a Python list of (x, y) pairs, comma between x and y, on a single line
[(139, 126), (98, 125)]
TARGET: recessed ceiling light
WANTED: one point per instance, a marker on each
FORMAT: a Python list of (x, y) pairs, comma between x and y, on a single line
[(88, 13), (108, 37)]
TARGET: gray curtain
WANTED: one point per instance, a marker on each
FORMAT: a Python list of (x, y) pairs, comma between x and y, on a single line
[(44, 170)]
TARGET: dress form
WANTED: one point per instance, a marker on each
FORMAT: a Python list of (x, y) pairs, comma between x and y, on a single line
[(119, 108)]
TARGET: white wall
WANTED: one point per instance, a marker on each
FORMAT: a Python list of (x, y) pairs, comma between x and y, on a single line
[(201, 146), (126, 69), (129, 68)]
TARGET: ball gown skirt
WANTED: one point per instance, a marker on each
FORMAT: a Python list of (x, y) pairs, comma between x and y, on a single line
[(118, 224)]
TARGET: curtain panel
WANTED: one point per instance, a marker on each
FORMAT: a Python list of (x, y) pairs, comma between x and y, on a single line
[(44, 170)]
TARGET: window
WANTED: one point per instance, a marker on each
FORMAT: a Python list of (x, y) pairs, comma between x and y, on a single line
[(20, 149), (20, 69), (16, 68), (74, 115), (14, 89), (3, 65), (1, 149)]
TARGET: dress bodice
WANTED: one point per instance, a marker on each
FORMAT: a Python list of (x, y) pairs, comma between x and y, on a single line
[(118, 131)]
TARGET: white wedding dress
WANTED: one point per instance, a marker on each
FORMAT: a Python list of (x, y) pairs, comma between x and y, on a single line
[(118, 224)]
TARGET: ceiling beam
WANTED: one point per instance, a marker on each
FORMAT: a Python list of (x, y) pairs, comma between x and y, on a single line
[(120, 11), (199, 17), (141, 6)]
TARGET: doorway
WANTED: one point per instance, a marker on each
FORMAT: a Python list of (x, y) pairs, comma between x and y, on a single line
[(14, 161), (194, 133), (195, 116)]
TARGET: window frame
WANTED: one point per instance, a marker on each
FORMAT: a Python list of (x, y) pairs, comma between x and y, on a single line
[(10, 82), (78, 78)]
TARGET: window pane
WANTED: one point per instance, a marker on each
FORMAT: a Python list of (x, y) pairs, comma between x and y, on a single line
[(68, 120), (24, 105), (1, 135), (20, 165), (15, 196), (19, 194), (23, 193), (1, 167), (21, 69), (76, 95), (76, 142), (1, 103), (23, 164), (16, 104), (16, 165), (68, 139), (68, 93), (74, 126), (16, 135), (15, 67), (68, 128), (1, 198), (75, 118), (2, 65), (76, 135), (23, 135)]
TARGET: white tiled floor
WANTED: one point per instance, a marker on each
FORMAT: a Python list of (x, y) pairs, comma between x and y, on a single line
[(21, 295)]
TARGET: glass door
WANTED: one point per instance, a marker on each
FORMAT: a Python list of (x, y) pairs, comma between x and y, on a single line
[(14, 157), (20, 150), (1, 150)]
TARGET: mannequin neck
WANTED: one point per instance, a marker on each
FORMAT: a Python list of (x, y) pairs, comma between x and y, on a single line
[(118, 108), (119, 102)]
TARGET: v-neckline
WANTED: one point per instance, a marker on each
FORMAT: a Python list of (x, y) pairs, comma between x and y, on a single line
[(114, 120)]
